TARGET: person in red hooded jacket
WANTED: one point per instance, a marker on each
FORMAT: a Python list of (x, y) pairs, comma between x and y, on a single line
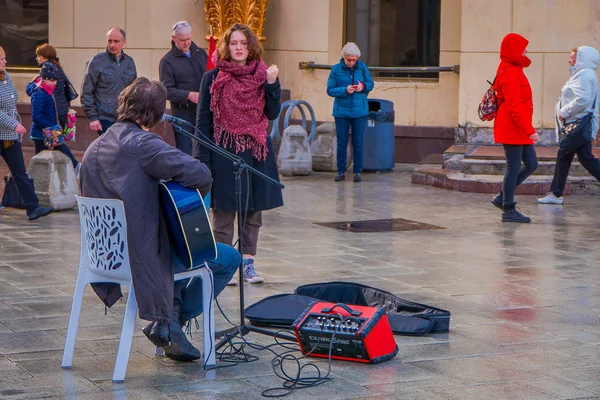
[(513, 125)]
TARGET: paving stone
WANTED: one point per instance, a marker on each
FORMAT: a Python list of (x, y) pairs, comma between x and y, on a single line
[(524, 300), (38, 340)]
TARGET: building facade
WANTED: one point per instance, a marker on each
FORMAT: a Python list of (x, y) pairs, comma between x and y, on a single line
[(430, 112)]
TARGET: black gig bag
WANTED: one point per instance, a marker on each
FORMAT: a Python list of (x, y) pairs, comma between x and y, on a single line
[(405, 317)]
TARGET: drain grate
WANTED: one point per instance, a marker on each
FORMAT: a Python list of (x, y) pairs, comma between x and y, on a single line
[(380, 225)]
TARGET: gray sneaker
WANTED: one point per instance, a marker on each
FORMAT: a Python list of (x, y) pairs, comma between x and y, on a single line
[(250, 274), (550, 198)]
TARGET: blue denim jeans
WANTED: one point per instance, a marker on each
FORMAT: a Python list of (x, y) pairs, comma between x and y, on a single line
[(188, 292), (342, 127)]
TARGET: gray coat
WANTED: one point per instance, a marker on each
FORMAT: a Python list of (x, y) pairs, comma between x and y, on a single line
[(103, 80), (127, 163), (181, 75)]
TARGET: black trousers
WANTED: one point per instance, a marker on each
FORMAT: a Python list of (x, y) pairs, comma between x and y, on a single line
[(515, 172), (13, 156), (563, 165), (40, 146), (183, 142)]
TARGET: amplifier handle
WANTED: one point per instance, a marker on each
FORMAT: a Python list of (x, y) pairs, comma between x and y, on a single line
[(352, 312)]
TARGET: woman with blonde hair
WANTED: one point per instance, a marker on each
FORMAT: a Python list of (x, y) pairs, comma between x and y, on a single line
[(237, 100), (578, 104)]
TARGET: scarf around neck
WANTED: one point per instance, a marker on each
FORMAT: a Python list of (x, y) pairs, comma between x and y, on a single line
[(237, 103)]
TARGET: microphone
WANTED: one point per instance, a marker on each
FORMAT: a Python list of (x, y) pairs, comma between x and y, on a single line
[(173, 120)]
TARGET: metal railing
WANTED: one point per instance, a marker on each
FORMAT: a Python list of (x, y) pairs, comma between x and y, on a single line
[(310, 65)]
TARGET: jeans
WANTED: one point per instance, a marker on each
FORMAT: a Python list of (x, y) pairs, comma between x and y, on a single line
[(40, 146), (188, 292), (515, 174), (13, 156), (563, 165), (105, 125), (342, 127)]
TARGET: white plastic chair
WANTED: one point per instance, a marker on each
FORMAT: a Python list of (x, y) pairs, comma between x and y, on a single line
[(104, 257)]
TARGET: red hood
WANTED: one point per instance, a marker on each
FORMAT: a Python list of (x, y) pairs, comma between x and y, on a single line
[(512, 48)]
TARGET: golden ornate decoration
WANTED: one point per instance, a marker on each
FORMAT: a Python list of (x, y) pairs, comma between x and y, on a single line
[(221, 14)]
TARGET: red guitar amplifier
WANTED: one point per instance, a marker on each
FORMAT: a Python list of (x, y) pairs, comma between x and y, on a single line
[(354, 333)]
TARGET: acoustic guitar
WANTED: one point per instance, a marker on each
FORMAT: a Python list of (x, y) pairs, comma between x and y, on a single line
[(187, 221)]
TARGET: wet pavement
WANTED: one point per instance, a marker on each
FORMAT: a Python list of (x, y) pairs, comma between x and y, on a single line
[(525, 299)]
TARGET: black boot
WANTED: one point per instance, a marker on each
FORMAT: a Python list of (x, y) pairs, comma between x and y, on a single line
[(497, 201), (180, 348), (157, 333), (511, 214)]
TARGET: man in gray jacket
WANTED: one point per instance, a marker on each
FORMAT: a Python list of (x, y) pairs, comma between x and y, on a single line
[(579, 100), (181, 71), (106, 75)]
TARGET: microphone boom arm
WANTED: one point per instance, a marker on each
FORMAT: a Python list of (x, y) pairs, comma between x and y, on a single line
[(219, 150)]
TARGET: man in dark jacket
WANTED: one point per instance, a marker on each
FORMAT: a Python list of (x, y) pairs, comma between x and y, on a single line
[(181, 71), (106, 75), (127, 163)]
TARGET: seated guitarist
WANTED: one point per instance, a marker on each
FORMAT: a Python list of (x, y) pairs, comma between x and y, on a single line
[(127, 163)]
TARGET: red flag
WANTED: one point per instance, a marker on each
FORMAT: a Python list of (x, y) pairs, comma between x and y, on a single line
[(211, 49)]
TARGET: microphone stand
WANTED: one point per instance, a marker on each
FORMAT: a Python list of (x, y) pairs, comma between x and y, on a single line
[(239, 165)]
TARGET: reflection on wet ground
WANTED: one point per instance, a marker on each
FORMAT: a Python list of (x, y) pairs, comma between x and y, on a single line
[(524, 299)]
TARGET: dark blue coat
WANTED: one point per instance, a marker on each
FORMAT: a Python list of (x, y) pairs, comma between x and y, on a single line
[(43, 110), (346, 105)]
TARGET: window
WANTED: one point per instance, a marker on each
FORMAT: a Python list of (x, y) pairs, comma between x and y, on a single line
[(23, 26), (395, 33)]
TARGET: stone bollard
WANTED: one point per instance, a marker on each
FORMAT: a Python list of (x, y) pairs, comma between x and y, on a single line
[(324, 149), (294, 153), (54, 179)]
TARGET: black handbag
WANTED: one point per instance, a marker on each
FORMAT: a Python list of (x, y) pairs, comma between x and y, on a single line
[(575, 134), (11, 196), (70, 91)]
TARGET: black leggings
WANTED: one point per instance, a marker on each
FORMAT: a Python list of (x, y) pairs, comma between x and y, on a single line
[(515, 173), (40, 146), (563, 165)]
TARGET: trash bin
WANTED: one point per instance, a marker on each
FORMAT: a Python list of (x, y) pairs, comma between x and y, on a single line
[(378, 147)]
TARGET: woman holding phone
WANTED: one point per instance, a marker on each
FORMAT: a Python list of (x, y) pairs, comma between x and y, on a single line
[(349, 84)]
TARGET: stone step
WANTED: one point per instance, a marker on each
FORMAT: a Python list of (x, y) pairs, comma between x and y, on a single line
[(496, 152), (471, 166), (534, 185)]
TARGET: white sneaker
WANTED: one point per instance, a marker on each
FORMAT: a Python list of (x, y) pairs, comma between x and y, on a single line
[(250, 274), (551, 199), (232, 282)]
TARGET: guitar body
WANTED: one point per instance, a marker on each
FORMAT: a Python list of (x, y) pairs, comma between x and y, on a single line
[(188, 224)]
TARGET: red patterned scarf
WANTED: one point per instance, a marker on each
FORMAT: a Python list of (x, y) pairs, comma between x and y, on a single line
[(238, 103)]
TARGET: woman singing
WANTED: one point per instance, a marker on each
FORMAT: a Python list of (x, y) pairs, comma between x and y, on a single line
[(238, 98)]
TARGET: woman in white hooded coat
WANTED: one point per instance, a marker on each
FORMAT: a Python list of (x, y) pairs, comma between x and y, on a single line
[(579, 98)]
